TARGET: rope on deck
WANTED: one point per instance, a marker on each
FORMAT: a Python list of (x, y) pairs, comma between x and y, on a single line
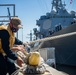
[(18, 70)]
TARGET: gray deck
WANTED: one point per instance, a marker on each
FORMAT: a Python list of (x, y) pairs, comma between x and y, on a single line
[(50, 71), (60, 70)]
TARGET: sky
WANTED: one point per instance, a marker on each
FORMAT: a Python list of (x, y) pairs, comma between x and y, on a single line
[(29, 11)]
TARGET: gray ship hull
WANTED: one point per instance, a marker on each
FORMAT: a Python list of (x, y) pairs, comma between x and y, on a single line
[(65, 48)]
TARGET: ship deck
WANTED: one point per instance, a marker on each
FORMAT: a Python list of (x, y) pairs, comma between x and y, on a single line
[(60, 70), (52, 71)]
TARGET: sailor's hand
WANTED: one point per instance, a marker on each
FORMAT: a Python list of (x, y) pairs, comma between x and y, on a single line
[(20, 61), (18, 48), (21, 47)]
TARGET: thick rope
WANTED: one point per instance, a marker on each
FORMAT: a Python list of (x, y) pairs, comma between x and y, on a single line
[(18, 70), (53, 37)]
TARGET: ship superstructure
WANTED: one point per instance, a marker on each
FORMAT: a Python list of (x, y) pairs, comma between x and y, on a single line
[(59, 18)]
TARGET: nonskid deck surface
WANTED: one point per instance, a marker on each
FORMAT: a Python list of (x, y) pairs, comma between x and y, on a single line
[(60, 70), (50, 71)]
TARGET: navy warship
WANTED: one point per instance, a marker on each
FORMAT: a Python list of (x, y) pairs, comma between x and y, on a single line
[(59, 21)]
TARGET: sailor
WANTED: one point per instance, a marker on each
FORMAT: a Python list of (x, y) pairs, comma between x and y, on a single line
[(7, 40)]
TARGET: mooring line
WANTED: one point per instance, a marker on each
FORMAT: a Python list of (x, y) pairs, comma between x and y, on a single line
[(53, 37)]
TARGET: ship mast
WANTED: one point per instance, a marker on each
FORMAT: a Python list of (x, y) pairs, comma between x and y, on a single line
[(57, 4)]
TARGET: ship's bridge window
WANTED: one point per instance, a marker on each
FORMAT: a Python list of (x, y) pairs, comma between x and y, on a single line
[(58, 27), (51, 32), (73, 22)]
